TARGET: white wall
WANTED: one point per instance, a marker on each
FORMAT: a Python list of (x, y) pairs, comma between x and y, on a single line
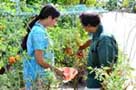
[(123, 27)]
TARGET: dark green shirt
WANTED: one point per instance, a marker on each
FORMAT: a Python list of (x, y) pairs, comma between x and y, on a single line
[(101, 53)]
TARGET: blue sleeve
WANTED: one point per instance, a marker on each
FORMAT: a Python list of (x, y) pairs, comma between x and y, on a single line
[(105, 52), (39, 40)]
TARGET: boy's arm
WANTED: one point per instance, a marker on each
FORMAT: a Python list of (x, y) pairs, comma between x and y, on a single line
[(85, 45), (81, 48)]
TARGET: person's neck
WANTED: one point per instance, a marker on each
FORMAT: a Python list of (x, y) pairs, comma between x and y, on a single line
[(98, 32), (43, 22)]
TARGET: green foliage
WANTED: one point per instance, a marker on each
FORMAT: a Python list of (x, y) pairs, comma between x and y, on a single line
[(134, 8), (91, 2), (10, 38), (32, 4), (68, 33), (66, 38), (125, 3), (120, 73), (12, 29), (111, 5)]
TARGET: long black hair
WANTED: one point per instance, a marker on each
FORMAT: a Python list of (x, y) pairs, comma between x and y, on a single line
[(47, 10)]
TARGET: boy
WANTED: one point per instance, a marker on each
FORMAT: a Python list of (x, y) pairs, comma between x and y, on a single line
[(103, 48)]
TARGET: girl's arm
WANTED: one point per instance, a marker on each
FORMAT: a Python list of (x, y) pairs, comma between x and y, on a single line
[(40, 59)]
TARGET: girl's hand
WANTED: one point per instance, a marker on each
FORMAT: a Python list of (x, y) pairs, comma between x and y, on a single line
[(59, 72)]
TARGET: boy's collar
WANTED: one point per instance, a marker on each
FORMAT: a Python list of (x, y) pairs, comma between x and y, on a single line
[(98, 32)]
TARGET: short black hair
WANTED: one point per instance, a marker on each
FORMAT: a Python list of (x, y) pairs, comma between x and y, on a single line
[(88, 18)]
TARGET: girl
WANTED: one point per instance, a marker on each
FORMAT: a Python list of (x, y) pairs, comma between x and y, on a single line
[(37, 43)]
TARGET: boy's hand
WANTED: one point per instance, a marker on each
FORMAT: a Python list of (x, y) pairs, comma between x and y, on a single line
[(80, 54)]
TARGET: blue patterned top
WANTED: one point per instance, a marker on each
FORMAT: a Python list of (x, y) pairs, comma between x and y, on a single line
[(38, 39)]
